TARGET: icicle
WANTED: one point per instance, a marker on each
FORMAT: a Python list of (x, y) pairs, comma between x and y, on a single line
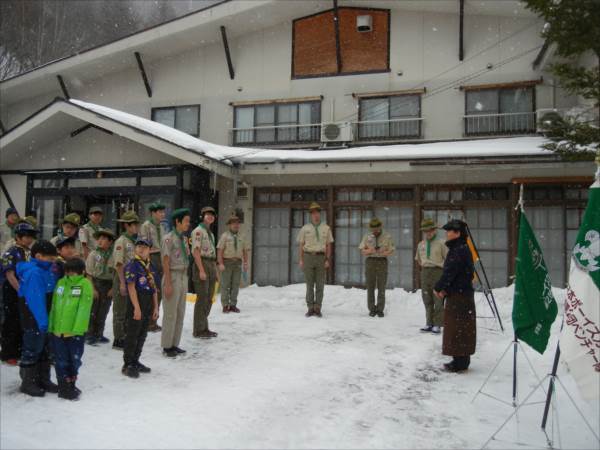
[(520, 203)]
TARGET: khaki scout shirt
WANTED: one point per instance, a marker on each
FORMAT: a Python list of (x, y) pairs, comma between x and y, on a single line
[(100, 265), (77, 244), (437, 253), (86, 235), (382, 243), (204, 239), (177, 249), (6, 234), (149, 230), (314, 238), (124, 250), (231, 250)]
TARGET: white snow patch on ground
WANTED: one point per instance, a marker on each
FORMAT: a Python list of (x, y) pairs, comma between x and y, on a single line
[(275, 379)]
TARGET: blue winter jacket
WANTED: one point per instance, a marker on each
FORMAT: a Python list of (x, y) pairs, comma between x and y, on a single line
[(36, 280)]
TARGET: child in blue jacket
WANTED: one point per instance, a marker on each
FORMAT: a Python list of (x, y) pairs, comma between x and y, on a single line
[(36, 285)]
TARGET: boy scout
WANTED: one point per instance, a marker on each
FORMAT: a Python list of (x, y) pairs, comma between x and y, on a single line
[(70, 228), (204, 271), (86, 232), (100, 269), (8, 227), (27, 219), (377, 246), (176, 259), (153, 230), (315, 241), (232, 256), (431, 253), (123, 253)]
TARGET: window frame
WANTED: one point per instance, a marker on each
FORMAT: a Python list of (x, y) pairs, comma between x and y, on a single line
[(175, 108), (276, 105), (388, 97)]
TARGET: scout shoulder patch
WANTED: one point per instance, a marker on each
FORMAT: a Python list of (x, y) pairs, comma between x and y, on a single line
[(143, 280), (119, 247)]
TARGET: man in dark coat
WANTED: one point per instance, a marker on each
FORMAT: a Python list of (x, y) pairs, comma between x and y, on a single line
[(456, 286)]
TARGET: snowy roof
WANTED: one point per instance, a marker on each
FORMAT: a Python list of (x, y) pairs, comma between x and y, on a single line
[(503, 147)]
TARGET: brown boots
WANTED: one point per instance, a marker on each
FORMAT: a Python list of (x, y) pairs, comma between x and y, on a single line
[(314, 311)]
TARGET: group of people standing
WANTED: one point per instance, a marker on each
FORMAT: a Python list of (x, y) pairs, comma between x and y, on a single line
[(56, 294)]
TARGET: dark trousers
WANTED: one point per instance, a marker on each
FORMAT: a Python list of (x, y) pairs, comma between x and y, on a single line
[(376, 271), (461, 362), (136, 330), (204, 290), (35, 342), (67, 355), (12, 334), (100, 307)]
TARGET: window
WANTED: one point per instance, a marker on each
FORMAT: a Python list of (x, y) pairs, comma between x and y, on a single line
[(350, 226), (281, 123), (309, 195), (500, 111), (271, 246), (182, 118), (391, 117)]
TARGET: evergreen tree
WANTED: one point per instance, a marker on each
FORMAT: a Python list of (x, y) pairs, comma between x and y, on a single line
[(573, 26)]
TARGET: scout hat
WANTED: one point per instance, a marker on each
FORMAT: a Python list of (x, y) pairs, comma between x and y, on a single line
[(129, 217), (314, 206), (143, 241), (10, 211), (233, 218), (72, 218), (456, 225), (208, 209), (64, 240), (156, 206), (428, 224), (179, 214), (96, 209), (25, 229), (105, 232), (30, 220), (375, 223)]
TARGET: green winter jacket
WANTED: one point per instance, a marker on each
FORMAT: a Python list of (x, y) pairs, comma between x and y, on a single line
[(71, 306)]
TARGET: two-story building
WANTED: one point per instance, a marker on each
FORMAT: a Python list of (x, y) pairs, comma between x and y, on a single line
[(399, 109)]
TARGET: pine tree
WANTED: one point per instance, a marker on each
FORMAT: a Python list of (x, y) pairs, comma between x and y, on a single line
[(573, 26)]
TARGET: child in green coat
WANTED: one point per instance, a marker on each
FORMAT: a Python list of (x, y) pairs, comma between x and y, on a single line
[(68, 323)]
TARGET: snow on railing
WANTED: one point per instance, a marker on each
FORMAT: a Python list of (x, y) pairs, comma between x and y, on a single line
[(373, 130)]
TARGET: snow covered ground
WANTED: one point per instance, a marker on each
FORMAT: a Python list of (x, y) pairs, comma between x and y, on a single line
[(275, 379)]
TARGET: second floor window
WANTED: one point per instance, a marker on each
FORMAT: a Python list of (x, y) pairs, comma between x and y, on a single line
[(393, 117), (280, 123), (500, 111), (182, 118)]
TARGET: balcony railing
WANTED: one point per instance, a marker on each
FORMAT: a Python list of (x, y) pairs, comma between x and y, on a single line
[(505, 123), (381, 130), (277, 135)]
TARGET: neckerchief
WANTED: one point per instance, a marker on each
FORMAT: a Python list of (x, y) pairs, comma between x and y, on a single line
[(210, 235), (149, 274), (94, 227), (182, 240), (428, 245), (317, 230), (105, 254), (131, 238), (157, 226), (235, 240), (25, 250)]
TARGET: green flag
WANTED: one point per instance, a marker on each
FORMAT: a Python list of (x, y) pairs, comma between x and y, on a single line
[(534, 306)]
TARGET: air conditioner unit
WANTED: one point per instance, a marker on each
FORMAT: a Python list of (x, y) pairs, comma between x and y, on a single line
[(547, 115), (336, 132), (364, 24)]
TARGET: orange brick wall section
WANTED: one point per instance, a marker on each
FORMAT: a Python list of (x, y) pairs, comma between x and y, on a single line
[(314, 49)]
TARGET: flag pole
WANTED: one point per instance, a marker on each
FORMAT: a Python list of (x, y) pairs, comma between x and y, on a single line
[(521, 208)]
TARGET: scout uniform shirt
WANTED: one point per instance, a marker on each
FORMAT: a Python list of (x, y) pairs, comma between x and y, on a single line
[(431, 253), (77, 243), (383, 243), (12, 256), (124, 250), (141, 273), (153, 233), (174, 245), (232, 244), (86, 235), (315, 237), (204, 239), (6, 234), (100, 264)]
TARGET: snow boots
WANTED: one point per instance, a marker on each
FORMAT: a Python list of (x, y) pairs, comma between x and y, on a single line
[(67, 389), (44, 380), (317, 311), (310, 312), (30, 381)]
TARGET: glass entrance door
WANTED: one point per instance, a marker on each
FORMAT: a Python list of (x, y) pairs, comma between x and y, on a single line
[(113, 207)]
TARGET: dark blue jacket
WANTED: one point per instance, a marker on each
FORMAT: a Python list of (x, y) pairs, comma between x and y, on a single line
[(36, 280), (458, 268)]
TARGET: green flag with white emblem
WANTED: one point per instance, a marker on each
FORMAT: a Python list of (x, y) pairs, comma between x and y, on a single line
[(534, 306)]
